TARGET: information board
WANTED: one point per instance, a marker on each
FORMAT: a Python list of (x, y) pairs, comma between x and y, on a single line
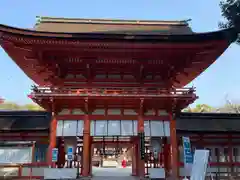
[(54, 155), (70, 153)]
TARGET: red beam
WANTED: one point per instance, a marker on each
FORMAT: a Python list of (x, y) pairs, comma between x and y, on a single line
[(113, 142), (104, 44), (218, 164), (112, 117), (104, 84), (196, 137)]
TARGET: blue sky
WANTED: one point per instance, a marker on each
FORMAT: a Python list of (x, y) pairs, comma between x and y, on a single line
[(221, 79)]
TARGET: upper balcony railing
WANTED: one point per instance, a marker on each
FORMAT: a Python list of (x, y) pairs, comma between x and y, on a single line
[(112, 92)]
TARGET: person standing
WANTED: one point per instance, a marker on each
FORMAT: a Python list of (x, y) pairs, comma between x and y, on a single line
[(124, 163)]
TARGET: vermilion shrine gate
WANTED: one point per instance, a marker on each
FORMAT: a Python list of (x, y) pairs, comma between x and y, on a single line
[(105, 81)]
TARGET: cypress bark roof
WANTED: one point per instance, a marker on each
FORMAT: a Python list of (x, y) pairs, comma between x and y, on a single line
[(205, 122), (78, 25), (218, 122), (24, 120)]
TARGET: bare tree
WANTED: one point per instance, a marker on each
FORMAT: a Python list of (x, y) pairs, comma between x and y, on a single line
[(230, 106)]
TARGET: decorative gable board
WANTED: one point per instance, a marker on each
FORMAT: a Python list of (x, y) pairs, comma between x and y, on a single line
[(162, 112), (98, 112), (114, 76), (100, 76), (64, 111), (126, 76), (129, 112), (114, 111), (78, 111), (150, 112)]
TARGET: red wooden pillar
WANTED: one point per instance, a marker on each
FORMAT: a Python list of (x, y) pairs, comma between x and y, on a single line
[(33, 152), (52, 140), (86, 144), (91, 147), (166, 156), (140, 162), (230, 153), (174, 148), (135, 158)]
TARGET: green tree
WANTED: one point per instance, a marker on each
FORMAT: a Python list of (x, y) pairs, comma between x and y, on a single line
[(9, 106), (32, 107), (230, 10), (199, 108), (14, 106)]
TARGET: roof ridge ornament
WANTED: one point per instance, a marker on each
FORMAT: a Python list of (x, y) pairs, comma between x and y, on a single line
[(38, 20)]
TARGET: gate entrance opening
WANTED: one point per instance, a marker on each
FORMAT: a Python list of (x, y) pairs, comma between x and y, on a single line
[(114, 147), (112, 156)]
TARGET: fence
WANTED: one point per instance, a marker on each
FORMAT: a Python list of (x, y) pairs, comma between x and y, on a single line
[(23, 171)]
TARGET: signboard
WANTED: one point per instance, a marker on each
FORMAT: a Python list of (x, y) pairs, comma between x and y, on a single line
[(70, 153), (54, 155), (200, 165), (188, 156)]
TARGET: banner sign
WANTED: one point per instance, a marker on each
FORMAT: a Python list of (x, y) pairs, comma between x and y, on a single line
[(188, 155), (70, 153), (54, 155), (200, 165)]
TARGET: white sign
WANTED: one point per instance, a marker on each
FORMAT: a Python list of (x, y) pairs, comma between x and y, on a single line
[(60, 173), (54, 155), (70, 153), (200, 164)]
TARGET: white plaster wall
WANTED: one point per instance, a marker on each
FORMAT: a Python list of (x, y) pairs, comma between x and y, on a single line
[(15, 155)]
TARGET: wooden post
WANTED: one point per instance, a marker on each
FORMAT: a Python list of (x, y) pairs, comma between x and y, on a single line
[(33, 152), (174, 147), (52, 140), (134, 158), (141, 163), (91, 155), (230, 154), (86, 143), (166, 150)]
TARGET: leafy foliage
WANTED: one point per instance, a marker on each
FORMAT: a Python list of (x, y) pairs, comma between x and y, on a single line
[(14, 106), (204, 108), (230, 10), (199, 108)]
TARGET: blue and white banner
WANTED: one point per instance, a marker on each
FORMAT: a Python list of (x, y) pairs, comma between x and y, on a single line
[(54, 155), (188, 155), (70, 153)]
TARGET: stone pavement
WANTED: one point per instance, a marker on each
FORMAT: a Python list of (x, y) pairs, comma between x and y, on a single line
[(112, 174)]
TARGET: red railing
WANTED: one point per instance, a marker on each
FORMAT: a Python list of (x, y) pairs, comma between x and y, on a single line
[(219, 173), (22, 171), (124, 92), (28, 171)]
